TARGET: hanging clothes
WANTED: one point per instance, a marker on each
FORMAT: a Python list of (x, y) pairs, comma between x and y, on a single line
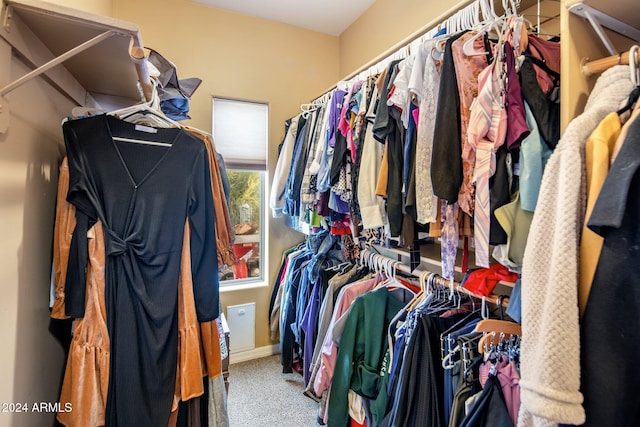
[(361, 354), (426, 90), (419, 398), (332, 295), (276, 199), (467, 70), (224, 230), (87, 371), (486, 132), (388, 127), (598, 149), (446, 163), (610, 328), (104, 176), (371, 205), (490, 409), (550, 343)]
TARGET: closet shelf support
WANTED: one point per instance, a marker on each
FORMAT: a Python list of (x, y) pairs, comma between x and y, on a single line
[(63, 57), (598, 19)]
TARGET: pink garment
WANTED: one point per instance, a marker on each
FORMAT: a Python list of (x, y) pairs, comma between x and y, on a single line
[(509, 379), (467, 70), (329, 353), (344, 124), (486, 133), (416, 115)]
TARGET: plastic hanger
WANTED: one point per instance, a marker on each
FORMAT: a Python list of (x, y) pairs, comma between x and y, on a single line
[(425, 295), (393, 282), (634, 66), (147, 113), (339, 267), (490, 21), (631, 101), (634, 70), (468, 46)]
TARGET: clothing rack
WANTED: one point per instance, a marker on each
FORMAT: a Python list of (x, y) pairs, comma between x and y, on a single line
[(436, 279), (597, 66)]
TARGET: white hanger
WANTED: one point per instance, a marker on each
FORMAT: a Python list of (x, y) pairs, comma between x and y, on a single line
[(494, 21), (146, 113), (634, 67)]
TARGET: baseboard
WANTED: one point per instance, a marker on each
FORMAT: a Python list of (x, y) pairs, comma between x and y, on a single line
[(256, 353)]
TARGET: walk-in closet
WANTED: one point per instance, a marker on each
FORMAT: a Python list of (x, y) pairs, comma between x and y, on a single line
[(369, 213)]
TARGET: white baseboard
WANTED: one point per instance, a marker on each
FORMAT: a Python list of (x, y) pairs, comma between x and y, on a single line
[(256, 353)]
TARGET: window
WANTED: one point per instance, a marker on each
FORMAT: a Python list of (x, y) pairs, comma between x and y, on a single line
[(240, 133)]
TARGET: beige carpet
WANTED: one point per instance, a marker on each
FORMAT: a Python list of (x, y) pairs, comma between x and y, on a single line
[(261, 395)]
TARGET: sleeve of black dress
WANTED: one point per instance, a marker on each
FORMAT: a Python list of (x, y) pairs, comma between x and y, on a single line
[(75, 282), (204, 261)]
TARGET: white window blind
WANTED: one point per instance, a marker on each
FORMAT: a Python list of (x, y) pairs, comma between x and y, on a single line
[(240, 132)]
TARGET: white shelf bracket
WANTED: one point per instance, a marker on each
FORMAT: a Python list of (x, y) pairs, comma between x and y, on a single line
[(68, 54), (598, 19), (5, 75)]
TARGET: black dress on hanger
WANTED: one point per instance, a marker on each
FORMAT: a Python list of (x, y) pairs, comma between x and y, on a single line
[(143, 195)]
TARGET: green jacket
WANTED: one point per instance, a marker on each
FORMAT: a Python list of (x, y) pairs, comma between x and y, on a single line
[(363, 348)]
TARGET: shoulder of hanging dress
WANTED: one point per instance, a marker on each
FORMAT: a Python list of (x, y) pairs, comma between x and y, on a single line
[(197, 133), (202, 138)]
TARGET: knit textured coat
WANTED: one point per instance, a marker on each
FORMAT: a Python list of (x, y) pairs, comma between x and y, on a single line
[(550, 361)]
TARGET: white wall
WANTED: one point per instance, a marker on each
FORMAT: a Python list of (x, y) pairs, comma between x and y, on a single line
[(31, 360)]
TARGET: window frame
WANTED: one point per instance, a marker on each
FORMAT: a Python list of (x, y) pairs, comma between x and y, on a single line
[(263, 243)]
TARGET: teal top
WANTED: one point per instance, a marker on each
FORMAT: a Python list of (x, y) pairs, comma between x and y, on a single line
[(534, 154)]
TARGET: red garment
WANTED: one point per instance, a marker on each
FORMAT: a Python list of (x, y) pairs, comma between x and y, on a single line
[(549, 53), (354, 423), (484, 280)]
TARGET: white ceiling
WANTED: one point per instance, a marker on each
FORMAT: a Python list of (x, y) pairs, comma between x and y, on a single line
[(325, 16)]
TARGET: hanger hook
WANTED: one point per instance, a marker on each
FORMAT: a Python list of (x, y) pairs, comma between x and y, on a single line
[(484, 309), (633, 65), (423, 277)]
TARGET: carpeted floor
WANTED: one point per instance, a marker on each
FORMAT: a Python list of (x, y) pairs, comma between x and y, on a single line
[(260, 395)]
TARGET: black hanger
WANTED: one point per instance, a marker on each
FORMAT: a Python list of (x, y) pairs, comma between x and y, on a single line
[(633, 98)]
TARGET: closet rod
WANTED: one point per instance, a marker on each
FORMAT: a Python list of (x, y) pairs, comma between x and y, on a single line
[(140, 61), (438, 280), (404, 42), (597, 66)]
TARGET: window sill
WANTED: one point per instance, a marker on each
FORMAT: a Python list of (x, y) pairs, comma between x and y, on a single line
[(243, 286)]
